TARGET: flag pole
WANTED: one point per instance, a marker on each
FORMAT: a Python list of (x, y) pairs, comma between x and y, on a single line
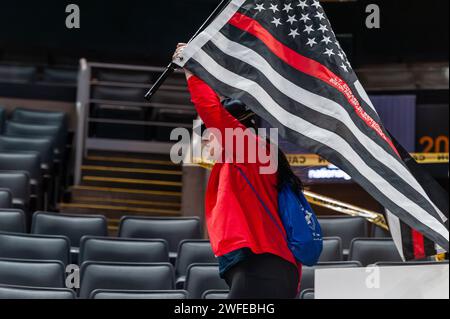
[(172, 66)]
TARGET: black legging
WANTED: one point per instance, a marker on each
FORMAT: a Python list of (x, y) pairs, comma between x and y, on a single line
[(263, 277)]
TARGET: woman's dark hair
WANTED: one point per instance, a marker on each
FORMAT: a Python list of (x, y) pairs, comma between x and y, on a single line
[(286, 176)]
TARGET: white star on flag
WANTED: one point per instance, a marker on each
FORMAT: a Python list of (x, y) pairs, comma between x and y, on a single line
[(277, 22), (309, 29), (311, 42), (341, 55), (344, 67), (327, 40), (274, 7), (288, 8), (260, 7), (302, 4), (316, 4), (305, 17), (323, 28), (292, 19), (320, 15), (294, 33), (329, 52)]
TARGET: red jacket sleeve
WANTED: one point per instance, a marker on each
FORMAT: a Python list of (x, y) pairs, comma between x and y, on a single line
[(208, 106)]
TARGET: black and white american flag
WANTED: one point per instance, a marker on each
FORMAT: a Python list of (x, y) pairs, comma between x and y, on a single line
[(283, 60)]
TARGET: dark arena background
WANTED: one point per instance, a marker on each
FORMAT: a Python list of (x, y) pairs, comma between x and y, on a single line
[(86, 177)]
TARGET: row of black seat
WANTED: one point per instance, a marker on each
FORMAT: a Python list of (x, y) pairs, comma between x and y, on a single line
[(33, 158), (174, 244)]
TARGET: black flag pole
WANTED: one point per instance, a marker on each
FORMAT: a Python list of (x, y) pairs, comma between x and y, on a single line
[(172, 66)]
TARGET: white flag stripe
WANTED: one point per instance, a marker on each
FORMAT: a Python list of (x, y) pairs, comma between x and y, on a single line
[(395, 229), (363, 94), (320, 135), (321, 105)]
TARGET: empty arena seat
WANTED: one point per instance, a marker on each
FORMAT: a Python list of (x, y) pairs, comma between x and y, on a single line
[(18, 184), (332, 249), (21, 292), (369, 251), (29, 162), (174, 230), (125, 276), (378, 232), (124, 77), (5, 198), (172, 97), (33, 273), (17, 74), (123, 250), (124, 294), (2, 119), (345, 227), (60, 76), (54, 132), (171, 116), (13, 221), (203, 277), (307, 294), (119, 94), (34, 247), (23, 115), (192, 252), (308, 273), (215, 294), (43, 146), (72, 226)]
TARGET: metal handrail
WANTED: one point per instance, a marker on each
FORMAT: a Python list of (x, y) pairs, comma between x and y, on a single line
[(84, 103)]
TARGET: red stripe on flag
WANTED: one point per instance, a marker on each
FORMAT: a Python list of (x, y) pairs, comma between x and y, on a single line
[(307, 66), (418, 244)]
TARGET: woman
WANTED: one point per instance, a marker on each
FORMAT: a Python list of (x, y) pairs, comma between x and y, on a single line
[(254, 258)]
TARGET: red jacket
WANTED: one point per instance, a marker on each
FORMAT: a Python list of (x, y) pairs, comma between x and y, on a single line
[(235, 217)]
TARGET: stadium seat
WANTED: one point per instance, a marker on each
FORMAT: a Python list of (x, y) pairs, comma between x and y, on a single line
[(307, 294), (5, 198), (192, 252), (19, 185), (369, 251), (34, 247), (13, 221), (118, 94), (174, 230), (130, 276), (30, 163), (124, 77), (20, 292), (203, 277), (54, 132), (32, 273), (332, 249), (2, 119), (345, 227), (39, 117), (124, 294), (60, 76), (72, 226), (43, 146), (17, 74), (105, 249), (215, 294), (378, 232), (307, 281)]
